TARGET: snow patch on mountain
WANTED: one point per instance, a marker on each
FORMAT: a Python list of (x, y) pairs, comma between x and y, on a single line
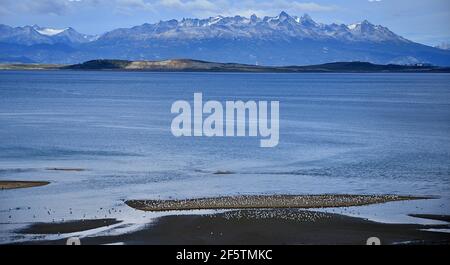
[(353, 26), (49, 31)]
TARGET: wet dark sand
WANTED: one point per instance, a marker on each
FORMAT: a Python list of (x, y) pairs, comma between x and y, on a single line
[(12, 184), (276, 226), (266, 201), (67, 227)]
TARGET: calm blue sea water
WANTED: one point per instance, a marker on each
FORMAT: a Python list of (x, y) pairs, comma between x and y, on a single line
[(339, 133)]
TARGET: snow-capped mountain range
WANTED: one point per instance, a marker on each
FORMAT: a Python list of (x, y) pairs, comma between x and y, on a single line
[(282, 26), (278, 40), (30, 35)]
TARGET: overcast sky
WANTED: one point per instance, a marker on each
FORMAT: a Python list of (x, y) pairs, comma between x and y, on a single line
[(424, 21)]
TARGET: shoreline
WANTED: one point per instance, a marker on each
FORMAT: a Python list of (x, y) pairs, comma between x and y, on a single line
[(192, 65)]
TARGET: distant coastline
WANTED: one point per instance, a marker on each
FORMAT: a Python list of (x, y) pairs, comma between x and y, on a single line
[(188, 65)]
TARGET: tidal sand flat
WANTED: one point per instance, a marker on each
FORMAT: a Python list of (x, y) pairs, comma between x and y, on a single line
[(11, 184), (279, 226), (273, 226), (266, 201)]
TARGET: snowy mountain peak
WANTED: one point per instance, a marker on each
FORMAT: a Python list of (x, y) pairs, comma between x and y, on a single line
[(370, 32), (283, 16), (306, 20), (360, 25), (306, 17)]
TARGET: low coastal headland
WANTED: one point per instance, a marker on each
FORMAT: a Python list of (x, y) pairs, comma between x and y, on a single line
[(266, 201), (189, 65)]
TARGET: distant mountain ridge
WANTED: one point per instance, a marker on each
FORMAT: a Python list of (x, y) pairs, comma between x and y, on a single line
[(279, 40)]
